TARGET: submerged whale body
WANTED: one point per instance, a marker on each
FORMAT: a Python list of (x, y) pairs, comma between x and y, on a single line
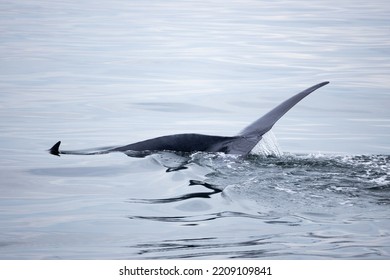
[(241, 144)]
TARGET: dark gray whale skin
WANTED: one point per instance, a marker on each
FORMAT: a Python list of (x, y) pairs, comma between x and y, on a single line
[(241, 144)]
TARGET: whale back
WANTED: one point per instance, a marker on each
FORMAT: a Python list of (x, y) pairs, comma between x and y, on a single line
[(241, 144), (187, 143)]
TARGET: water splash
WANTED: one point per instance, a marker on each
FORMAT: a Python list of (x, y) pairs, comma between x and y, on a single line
[(268, 146), (334, 179)]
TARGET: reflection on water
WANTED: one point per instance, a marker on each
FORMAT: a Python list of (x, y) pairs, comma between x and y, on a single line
[(101, 74), (214, 189)]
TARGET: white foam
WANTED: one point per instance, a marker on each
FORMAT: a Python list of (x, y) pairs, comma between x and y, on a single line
[(267, 146)]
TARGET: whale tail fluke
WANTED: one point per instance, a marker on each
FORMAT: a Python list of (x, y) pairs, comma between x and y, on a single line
[(266, 122), (248, 138)]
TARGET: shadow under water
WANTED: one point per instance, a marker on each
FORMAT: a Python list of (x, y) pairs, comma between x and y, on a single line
[(351, 176), (318, 196)]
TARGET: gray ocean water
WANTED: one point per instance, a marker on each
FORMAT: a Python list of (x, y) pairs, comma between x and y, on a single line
[(106, 73)]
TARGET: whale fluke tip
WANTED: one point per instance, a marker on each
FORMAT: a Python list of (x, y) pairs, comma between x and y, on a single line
[(320, 84), (55, 150)]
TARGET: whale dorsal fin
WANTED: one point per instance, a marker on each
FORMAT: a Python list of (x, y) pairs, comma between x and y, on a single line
[(55, 150)]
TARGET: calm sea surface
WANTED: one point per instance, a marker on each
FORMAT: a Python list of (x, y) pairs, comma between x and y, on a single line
[(106, 73)]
